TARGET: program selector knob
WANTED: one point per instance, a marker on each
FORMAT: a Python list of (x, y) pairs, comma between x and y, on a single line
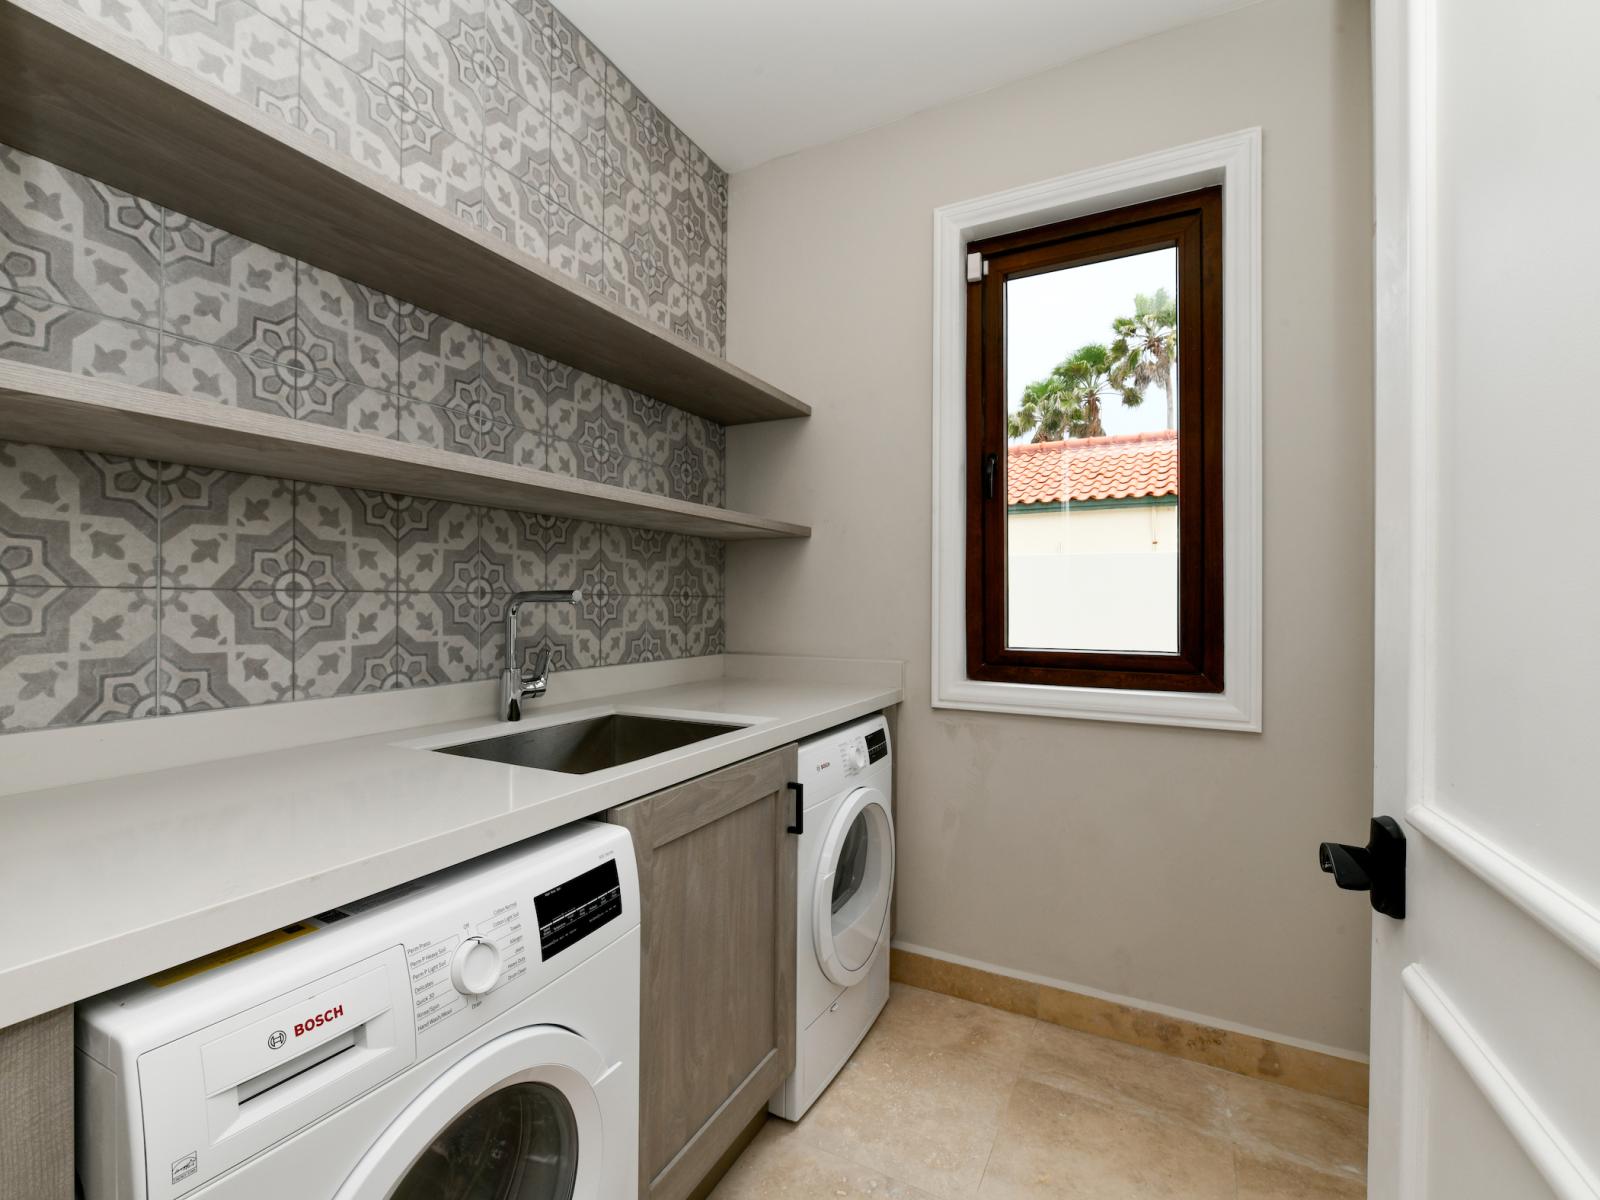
[(855, 757), (476, 967)]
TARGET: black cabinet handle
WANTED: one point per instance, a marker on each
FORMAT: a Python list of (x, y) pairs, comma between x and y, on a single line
[(799, 790), (1379, 867)]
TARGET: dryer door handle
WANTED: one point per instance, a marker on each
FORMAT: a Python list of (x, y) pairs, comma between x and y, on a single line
[(799, 790)]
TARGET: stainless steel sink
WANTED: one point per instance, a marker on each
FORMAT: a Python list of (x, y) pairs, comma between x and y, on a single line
[(579, 747)]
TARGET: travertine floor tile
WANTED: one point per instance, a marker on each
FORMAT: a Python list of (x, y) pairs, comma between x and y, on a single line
[(782, 1165), (1264, 1178), (926, 1117), (1060, 1145), (934, 1022), (1117, 1074), (1327, 1134), (947, 1099)]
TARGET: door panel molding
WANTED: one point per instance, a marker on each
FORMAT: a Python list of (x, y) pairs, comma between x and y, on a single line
[(1526, 1047), (1550, 1152), (1531, 890)]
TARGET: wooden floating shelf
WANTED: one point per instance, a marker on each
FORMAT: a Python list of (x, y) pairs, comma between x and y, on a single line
[(54, 408), (94, 102)]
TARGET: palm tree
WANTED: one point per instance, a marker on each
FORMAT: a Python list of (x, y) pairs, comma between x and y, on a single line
[(1146, 348), (1067, 402), (1043, 411)]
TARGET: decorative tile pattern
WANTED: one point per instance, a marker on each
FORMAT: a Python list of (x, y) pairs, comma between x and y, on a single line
[(223, 530), (432, 353), (132, 588), (329, 400), (344, 644), (208, 372), (140, 20), (444, 168), (348, 329), (517, 140), (364, 36), (224, 649), (448, 75), (580, 179), (69, 519), (76, 656), (512, 547), (438, 547), (521, 45), (347, 539), (441, 636), (76, 242), (42, 333), (359, 115), (577, 250), (239, 48), (225, 291)]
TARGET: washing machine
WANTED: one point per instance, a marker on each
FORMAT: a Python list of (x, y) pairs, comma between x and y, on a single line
[(846, 878), (473, 1034)]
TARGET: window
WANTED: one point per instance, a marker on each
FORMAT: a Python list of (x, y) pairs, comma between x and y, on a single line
[(1094, 443), (1083, 669)]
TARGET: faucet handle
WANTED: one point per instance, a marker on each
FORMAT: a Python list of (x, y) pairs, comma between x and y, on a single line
[(541, 666)]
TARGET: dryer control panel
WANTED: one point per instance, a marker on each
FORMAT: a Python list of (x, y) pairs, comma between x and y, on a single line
[(844, 757)]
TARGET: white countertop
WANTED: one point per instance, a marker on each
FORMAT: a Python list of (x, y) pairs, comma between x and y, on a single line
[(103, 882)]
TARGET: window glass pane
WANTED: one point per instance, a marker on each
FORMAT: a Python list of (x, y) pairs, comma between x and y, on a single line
[(1092, 466)]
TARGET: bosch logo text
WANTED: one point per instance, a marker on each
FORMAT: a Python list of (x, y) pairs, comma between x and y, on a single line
[(301, 1028)]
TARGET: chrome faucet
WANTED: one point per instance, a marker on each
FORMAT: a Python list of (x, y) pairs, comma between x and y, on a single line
[(517, 683)]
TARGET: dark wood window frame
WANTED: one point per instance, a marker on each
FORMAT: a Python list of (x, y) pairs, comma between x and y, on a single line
[(1191, 223)]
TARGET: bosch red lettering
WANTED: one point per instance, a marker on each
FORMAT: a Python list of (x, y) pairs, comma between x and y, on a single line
[(304, 1027)]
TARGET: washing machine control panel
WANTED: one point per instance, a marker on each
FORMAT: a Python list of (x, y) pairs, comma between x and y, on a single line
[(573, 910), (485, 951), (491, 952)]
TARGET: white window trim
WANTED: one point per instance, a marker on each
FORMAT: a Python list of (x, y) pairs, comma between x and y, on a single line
[(1234, 161)]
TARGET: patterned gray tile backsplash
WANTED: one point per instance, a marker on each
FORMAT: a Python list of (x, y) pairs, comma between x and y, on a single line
[(500, 111), (132, 588), (97, 282)]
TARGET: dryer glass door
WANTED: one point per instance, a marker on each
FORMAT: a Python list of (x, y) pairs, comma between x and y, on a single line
[(519, 1143), (854, 886)]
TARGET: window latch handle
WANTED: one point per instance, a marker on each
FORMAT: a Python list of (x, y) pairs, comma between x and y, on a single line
[(991, 468)]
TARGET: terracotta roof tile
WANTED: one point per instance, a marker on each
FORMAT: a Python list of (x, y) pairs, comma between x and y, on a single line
[(1123, 467)]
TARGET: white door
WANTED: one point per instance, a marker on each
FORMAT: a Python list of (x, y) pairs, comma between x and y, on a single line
[(1486, 997), (855, 880), (517, 1119)]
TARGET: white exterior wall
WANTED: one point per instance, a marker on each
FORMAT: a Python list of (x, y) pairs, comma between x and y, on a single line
[(1093, 578)]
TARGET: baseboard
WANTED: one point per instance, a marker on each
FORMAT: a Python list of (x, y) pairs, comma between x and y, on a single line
[(1308, 1070)]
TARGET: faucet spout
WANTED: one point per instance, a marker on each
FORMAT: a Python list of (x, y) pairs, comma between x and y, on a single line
[(516, 682)]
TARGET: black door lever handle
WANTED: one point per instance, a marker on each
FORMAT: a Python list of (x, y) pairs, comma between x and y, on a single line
[(1379, 867)]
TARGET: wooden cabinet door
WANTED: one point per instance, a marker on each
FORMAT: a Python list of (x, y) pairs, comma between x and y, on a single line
[(717, 870)]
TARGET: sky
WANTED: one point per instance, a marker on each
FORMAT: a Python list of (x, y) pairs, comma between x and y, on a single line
[(1049, 316)]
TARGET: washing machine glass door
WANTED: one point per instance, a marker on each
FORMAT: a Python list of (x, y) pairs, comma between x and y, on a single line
[(517, 1119), (855, 878), (517, 1143)]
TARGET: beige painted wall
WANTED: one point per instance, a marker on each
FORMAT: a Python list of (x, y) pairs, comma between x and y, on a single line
[(1174, 866)]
